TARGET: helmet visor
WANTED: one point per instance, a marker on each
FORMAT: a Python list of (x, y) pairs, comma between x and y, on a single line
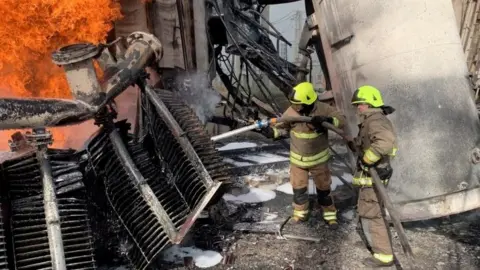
[(356, 99), (291, 98)]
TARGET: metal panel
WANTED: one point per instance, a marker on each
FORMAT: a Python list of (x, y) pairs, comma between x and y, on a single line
[(397, 48)]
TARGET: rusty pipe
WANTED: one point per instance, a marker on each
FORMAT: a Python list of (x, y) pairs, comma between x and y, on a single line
[(42, 112), (142, 49), (52, 213), (77, 62)]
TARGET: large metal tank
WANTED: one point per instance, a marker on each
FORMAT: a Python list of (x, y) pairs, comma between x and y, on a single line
[(411, 51)]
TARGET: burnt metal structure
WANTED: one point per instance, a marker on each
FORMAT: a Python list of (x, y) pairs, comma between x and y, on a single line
[(77, 61), (235, 29), (156, 181), (156, 195), (156, 208), (49, 224), (159, 183), (138, 192), (3, 242), (190, 136)]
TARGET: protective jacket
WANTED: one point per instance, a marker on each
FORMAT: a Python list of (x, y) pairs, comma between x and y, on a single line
[(309, 147), (377, 140)]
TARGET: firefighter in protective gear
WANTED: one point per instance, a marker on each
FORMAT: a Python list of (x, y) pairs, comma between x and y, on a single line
[(309, 153), (377, 142)]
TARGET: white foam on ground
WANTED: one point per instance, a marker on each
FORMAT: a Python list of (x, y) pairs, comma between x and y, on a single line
[(349, 215), (277, 171), (265, 158), (255, 195), (236, 163), (257, 177), (269, 216), (287, 187), (237, 145), (201, 258)]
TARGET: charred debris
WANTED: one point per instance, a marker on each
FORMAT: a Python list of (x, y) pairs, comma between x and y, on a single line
[(142, 188), (141, 191)]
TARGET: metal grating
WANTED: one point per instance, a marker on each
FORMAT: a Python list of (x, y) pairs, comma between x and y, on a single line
[(3, 244), (162, 110), (28, 225), (147, 235), (157, 186)]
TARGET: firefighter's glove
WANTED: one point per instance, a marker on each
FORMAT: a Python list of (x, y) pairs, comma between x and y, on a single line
[(364, 166), (267, 132), (384, 172), (318, 120)]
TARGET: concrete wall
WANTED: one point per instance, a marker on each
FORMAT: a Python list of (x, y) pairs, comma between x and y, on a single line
[(411, 51)]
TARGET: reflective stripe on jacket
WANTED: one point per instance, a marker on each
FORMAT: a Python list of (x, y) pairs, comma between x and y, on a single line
[(361, 178), (310, 161), (309, 147), (377, 139)]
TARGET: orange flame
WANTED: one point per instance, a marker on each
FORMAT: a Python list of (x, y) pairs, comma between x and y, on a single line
[(31, 30)]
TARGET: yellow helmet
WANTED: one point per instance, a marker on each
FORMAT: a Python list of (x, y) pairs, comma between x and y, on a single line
[(368, 95), (303, 93)]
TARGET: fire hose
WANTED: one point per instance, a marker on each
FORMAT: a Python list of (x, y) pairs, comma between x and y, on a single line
[(380, 189)]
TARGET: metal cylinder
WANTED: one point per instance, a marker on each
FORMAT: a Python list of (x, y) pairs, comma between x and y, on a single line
[(52, 215), (77, 61), (142, 49), (411, 51), (32, 113)]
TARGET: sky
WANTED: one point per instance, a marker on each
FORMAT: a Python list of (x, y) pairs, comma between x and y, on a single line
[(282, 17)]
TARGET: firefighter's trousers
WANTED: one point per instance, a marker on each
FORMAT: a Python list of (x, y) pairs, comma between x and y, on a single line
[(373, 225), (322, 177)]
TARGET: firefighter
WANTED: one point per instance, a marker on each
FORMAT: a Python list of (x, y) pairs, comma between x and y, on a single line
[(376, 141), (309, 152)]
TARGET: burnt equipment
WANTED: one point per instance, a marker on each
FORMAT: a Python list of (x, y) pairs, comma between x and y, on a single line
[(49, 225), (136, 189), (157, 195), (3, 243), (157, 183)]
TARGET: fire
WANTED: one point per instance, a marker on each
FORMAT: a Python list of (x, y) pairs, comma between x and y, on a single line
[(31, 30)]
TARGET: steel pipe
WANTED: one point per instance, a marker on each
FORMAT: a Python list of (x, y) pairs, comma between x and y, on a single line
[(33, 112), (142, 49), (77, 62), (52, 215)]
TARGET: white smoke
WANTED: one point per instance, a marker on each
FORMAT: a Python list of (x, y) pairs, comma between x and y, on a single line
[(195, 89)]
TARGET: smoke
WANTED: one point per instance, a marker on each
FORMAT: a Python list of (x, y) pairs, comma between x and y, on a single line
[(195, 89)]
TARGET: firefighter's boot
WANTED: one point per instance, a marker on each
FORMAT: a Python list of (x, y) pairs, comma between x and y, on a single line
[(300, 215), (378, 262), (301, 209), (329, 211)]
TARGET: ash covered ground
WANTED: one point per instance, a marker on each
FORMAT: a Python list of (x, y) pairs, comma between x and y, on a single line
[(265, 197), (261, 199), (440, 244)]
